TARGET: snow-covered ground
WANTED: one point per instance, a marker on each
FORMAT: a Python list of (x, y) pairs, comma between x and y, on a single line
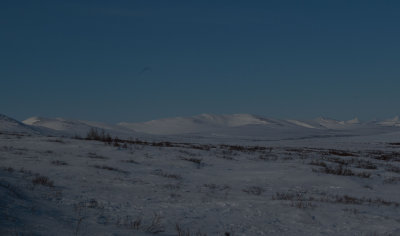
[(219, 175)]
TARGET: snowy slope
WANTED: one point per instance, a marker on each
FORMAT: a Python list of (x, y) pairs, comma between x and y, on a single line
[(70, 127), (239, 174), (209, 124), (246, 125), (205, 123), (391, 122), (326, 123), (10, 125), (269, 188), (196, 124)]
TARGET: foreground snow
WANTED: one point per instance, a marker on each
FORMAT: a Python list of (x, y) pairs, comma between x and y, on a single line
[(318, 186)]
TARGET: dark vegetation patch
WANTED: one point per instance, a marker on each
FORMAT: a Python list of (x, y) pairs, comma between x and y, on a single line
[(162, 173), (105, 167), (28, 172), (369, 201), (298, 195), (342, 153), (172, 186), (358, 163), (244, 148), (18, 135), (352, 210), (366, 165), (341, 170), (42, 180), (37, 179), (346, 157), (301, 150), (217, 187), (268, 157), (393, 168), (339, 161), (318, 163), (187, 153), (394, 144), (302, 204), (89, 203), (8, 148), (155, 226), (95, 134), (391, 180), (130, 161), (187, 232), (9, 169), (341, 199), (130, 223), (56, 141), (101, 135), (95, 156), (384, 156), (253, 190), (197, 161), (226, 154), (59, 163), (297, 199)]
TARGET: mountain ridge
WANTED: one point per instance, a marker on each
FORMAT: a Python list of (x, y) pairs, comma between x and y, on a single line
[(11, 125), (203, 124), (207, 123)]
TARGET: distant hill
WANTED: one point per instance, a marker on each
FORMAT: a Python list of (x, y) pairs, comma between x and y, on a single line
[(11, 126), (206, 125)]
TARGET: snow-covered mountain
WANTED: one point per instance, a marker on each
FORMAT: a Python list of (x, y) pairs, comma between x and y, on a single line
[(326, 123), (206, 125), (70, 127), (197, 124), (58, 124), (10, 125), (237, 123), (391, 122)]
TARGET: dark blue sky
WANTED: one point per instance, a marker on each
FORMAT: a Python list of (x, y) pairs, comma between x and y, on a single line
[(138, 60)]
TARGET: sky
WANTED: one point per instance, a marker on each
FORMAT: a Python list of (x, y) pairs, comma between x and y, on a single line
[(134, 61)]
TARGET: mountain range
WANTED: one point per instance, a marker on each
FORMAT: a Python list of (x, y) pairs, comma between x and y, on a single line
[(234, 125)]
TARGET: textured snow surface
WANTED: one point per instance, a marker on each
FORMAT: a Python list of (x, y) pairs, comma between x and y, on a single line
[(320, 185)]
